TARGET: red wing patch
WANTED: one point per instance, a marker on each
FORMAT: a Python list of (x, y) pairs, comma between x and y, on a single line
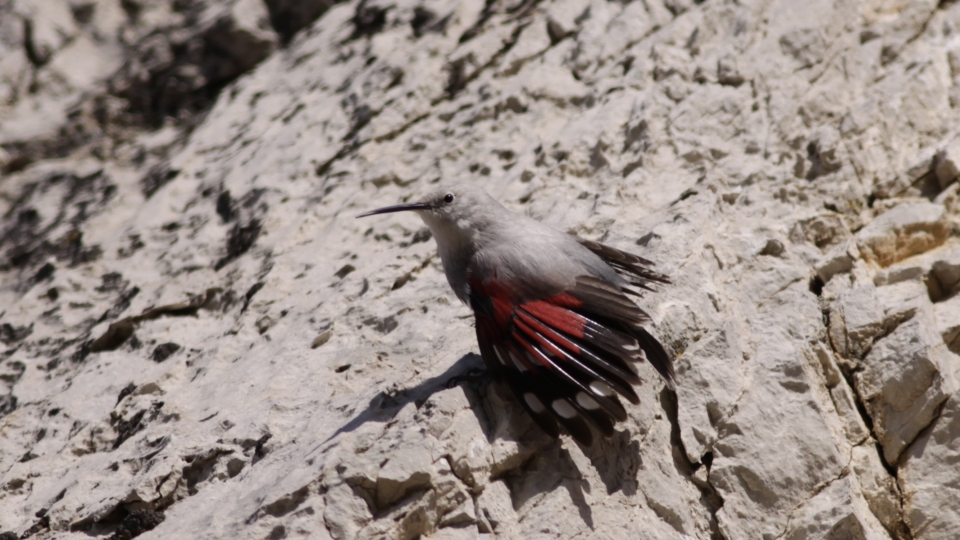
[(566, 357)]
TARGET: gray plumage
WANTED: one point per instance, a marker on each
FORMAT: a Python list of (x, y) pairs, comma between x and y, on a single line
[(553, 316), (477, 237)]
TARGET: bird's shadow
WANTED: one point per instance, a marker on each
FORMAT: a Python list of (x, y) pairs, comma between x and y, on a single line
[(385, 405), (548, 464)]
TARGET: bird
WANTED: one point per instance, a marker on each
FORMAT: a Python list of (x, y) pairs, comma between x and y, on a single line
[(553, 312)]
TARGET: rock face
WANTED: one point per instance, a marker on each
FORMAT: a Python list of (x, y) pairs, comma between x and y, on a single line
[(198, 340)]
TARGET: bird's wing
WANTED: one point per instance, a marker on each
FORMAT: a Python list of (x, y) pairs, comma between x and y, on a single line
[(635, 270), (566, 356), (631, 267)]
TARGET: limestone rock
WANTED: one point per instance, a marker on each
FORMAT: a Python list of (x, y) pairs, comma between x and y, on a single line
[(840, 260), (185, 175), (879, 487), (495, 511), (855, 320), (905, 378), (948, 164), (929, 480), (947, 316), (903, 300), (406, 470), (854, 427), (836, 512), (905, 230)]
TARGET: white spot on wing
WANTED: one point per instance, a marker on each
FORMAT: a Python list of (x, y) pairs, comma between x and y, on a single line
[(534, 403), (632, 346), (601, 388), (517, 362), (499, 355), (587, 402), (530, 358), (563, 408)]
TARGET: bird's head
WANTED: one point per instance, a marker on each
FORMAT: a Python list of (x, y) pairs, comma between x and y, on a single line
[(454, 213)]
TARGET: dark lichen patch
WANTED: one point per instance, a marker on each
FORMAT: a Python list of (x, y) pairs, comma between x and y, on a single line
[(10, 334), (120, 305), (44, 273), (137, 522), (69, 248), (42, 524), (44, 221), (127, 390), (239, 241), (383, 325), (8, 404), (259, 451), (225, 207), (82, 351), (135, 424), (111, 281), (368, 19), (159, 176), (290, 16), (164, 351), (248, 297), (423, 235), (342, 273), (174, 75), (421, 18), (424, 21), (134, 243)]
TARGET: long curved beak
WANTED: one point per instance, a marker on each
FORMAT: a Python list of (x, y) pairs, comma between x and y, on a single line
[(396, 208)]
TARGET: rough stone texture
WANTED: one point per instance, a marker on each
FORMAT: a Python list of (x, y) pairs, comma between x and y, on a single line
[(948, 164), (905, 230), (903, 381), (929, 489), (179, 173), (948, 322), (838, 511)]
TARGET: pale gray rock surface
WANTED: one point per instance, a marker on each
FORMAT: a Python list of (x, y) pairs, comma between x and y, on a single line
[(198, 340), (929, 495)]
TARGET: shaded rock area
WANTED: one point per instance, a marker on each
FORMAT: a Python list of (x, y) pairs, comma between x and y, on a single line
[(198, 340)]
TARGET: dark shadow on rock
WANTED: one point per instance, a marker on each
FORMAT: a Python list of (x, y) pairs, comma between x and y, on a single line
[(668, 400), (385, 405), (617, 460), (544, 464), (575, 487), (548, 469), (119, 332), (709, 497)]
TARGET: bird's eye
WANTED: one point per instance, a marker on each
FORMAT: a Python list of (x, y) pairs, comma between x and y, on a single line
[(448, 198)]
